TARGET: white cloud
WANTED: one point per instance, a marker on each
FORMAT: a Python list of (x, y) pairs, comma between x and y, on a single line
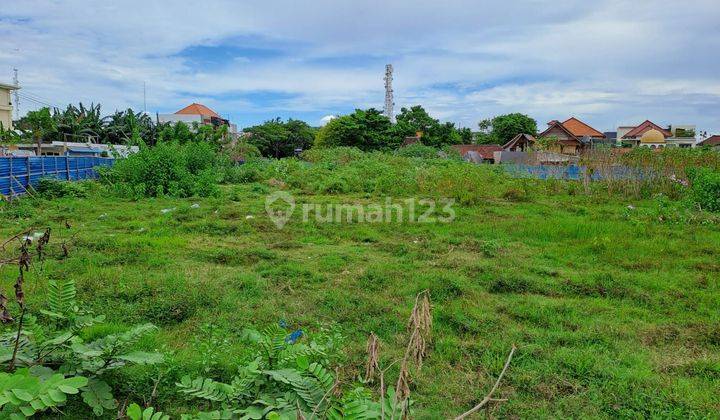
[(608, 61), (326, 119)]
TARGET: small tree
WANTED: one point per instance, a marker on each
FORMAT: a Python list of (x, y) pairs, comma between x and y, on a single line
[(435, 134), (40, 123), (503, 128), (364, 129)]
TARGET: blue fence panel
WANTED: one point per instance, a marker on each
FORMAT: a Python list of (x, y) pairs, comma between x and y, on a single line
[(572, 172), (17, 173)]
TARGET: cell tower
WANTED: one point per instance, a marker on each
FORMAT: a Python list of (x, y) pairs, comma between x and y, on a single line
[(16, 97), (389, 103)]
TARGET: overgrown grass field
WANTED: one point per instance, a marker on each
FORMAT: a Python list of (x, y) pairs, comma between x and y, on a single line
[(612, 301)]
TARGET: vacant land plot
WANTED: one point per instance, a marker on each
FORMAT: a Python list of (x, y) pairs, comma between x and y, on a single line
[(614, 309)]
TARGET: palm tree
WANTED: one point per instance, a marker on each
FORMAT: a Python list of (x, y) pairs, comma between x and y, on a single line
[(120, 127)]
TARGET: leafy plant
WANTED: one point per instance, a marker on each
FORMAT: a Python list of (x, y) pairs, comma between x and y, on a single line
[(706, 188), (134, 412), (26, 392), (59, 361), (287, 376)]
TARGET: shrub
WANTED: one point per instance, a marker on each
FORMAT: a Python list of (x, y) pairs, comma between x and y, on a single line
[(706, 188), (333, 154), (54, 188), (251, 171), (418, 151), (179, 170)]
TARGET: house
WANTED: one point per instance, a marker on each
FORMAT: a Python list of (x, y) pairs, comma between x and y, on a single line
[(197, 113), (573, 136), (6, 106), (649, 134), (712, 141), (416, 139), (478, 153), (520, 143)]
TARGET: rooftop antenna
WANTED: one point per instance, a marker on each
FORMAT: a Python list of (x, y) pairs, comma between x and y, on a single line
[(389, 93), (16, 97)]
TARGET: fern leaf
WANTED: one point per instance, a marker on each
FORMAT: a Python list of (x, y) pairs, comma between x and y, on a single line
[(61, 296), (206, 389), (326, 379)]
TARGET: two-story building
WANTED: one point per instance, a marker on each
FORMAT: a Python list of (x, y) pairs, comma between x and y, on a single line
[(572, 136), (200, 114), (6, 106)]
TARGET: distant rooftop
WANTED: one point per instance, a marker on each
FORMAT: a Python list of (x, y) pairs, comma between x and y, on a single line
[(198, 109)]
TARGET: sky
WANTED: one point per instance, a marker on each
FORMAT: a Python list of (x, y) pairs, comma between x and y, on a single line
[(607, 62)]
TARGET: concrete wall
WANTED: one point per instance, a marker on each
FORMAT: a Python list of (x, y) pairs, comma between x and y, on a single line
[(174, 118)]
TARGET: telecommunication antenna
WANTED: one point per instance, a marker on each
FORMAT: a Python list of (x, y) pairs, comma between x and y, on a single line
[(389, 103), (16, 97)]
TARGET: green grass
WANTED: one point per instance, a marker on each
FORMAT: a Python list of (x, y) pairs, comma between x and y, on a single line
[(615, 313)]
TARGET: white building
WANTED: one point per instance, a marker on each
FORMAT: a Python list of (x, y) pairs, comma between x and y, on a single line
[(649, 134), (197, 113), (6, 106)]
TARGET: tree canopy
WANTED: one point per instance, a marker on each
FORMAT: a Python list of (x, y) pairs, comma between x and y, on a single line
[(434, 133), (364, 129), (371, 130), (275, 138), (503, 128)]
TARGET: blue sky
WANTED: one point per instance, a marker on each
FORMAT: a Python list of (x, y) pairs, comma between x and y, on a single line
[(608, 62)]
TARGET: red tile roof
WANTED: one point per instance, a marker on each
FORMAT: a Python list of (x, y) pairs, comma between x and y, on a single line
[(485, 150), (580, 129), (646, 126), (198, 109), (711, 141)]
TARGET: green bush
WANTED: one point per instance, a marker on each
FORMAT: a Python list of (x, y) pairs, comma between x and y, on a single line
[(346, 170), (178, 170), (54, 188), (251, 171), (418, 151), (706, 188)]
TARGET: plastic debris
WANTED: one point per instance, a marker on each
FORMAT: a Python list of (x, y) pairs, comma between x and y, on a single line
[(34, 237), (163, 211), (195, 206)]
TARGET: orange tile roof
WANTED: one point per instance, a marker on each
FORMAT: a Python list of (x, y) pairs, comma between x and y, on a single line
[(198, 109), (645, 126), (580, 129)]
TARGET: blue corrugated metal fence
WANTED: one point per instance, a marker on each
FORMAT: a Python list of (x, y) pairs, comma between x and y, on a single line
[(16, 173), (571, 172)]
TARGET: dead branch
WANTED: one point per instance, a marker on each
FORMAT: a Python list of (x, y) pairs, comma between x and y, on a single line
[(373, 354), (489, 397), (419, 325), (21, 234), (327, 394)]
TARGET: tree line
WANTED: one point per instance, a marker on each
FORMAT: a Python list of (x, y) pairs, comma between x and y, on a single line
[(370, 130), (365, 129)]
